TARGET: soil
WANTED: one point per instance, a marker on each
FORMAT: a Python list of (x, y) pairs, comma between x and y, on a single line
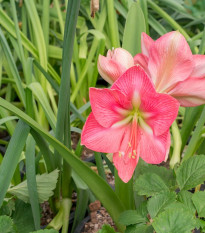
[(98, 217)]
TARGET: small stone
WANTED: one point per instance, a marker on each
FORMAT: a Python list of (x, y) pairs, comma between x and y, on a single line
[(95, 206)]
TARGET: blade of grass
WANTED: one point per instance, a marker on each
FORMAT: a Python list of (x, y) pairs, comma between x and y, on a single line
[(112, 24), (11, 158), (13, 67), (168, 18), (31, 180), (195, 137)]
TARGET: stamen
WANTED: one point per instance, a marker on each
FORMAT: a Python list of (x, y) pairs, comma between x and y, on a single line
[(129, 144), (133, 157)]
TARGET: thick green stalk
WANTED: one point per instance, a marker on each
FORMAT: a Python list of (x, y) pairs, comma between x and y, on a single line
[(177, 145)]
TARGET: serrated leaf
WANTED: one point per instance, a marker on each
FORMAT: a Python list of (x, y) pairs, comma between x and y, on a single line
[(46, 183), (6, 225), (45, 231), (191, 173), (175, 220), (185, 197), (8, 207), (165, 174), (157, 203), (199, 201), (139, 229), (130, 217), (23, 217), (150, 184), (107, 229)]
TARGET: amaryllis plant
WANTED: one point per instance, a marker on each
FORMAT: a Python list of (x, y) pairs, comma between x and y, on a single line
[(130, 120), (144, 125)]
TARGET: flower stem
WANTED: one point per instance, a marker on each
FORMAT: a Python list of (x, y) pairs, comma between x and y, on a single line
[(177, 145)]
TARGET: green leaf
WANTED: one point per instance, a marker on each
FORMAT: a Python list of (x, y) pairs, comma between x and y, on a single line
[(6, 225), (9, 118), (23, 218), (191, 173), (176, 220), (106, 229), (139, 229), (45, 231), (130, 217), (156, 204), (199, 201), (185, 197), (150, 184), (11, 158), (165, 174), (132, 32), (46, 183), (40, 95), (8, 207)]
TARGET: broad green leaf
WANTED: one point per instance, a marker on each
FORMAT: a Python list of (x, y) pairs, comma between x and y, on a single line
[(165, 174), (135, 25), (46, 183), (106, 229), (11, 158), (23, 218), (139, 228), (46, 231), (191, 173), (176, 220), (6, 225), (150, 184), (156, 204), (185, 197), (199, 201), (130, 217)]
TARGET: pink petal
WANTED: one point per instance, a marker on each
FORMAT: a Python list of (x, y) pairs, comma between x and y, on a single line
[(106, 105), (109, 69), (122, 57), (199, 66), (141, 60), (134, 80), (163, 110), (146, 43), (115, 64), (190, 92), (170, 61), (154, 149), (125, 170), (107, 140)]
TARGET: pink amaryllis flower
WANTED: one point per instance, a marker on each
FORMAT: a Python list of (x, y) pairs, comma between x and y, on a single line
[(130, 120), (114, 64), (173, 69)]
